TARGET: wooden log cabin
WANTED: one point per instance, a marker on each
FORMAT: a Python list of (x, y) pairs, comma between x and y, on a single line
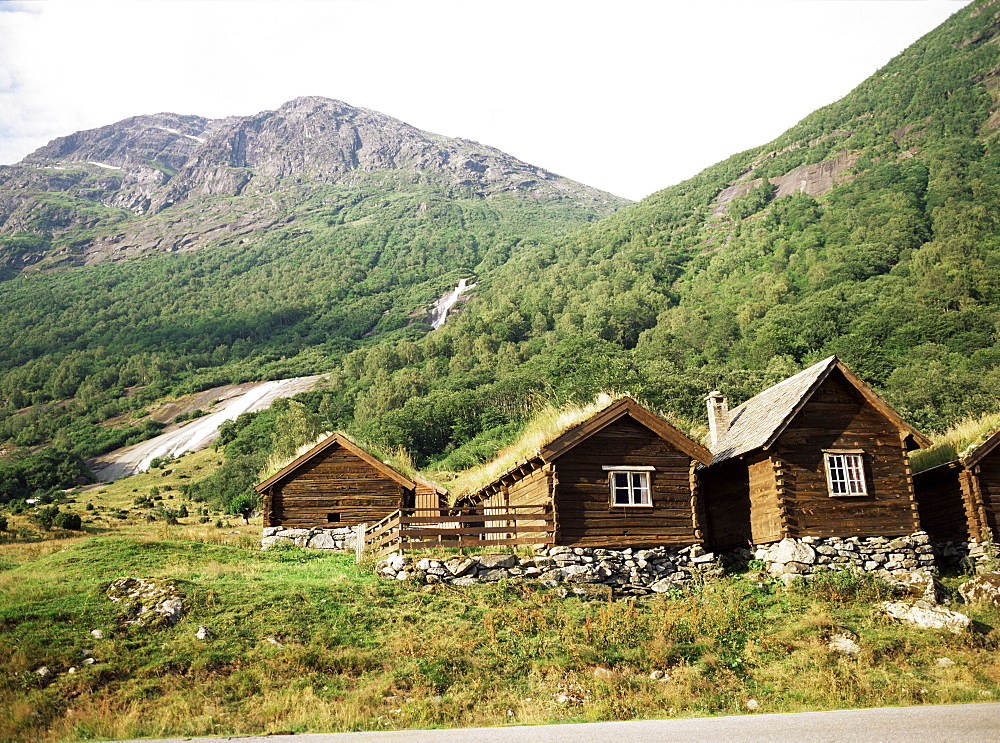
[(337, 484), (622, 478), (959, 501), (819, 454)]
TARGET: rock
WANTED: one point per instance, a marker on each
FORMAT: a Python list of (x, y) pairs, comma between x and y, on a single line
[(323, 541), (657, 675), (45, 674), (603, 673), (944, 663), (149, 601), (580, 574), (983, 589), (753, 704), (491, 576), (88, 662), (427, 564), (467, 581), (492, 562), (171, 609), (663, 585), (274, 641), (842, 642), (97, 634), (790, 550), (925, 615), (922, 584), (203, 634), (397, 562), (459, 566)]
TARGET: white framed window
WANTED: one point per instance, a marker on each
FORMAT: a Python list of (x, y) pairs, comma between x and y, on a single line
[(630, 486), (845, 473)]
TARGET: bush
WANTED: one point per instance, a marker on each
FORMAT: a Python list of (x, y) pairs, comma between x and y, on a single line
[(67, 520), (3, 523), (45, 517)]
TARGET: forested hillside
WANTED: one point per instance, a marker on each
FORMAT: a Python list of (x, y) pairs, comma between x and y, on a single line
[(870, 229)]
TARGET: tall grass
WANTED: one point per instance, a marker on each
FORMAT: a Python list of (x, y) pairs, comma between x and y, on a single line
[(958, 441), (545, 426), (351, 652)]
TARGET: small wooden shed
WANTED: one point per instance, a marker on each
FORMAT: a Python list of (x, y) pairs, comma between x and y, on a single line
[(819, 454), (622, 478), (337, 484), (959, 501)]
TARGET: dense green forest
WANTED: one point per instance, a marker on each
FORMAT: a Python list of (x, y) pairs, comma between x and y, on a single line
[(896, 269)]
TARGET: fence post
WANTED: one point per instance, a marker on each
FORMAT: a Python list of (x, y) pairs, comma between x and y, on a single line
[(359, 541)]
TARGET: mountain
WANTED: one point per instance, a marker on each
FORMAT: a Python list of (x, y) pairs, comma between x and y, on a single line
[(870, 229), (168, 182)]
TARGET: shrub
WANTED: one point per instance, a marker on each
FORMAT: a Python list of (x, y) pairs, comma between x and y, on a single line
[(3, 523), (67, 520), (45, 517)]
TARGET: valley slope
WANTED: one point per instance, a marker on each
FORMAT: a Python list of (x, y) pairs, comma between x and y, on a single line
[(869, 230)]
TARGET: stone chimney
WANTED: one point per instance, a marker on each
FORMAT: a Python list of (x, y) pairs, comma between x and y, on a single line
[(718, 418)]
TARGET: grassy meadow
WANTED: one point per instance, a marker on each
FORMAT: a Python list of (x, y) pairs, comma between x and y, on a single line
[(309, 642)]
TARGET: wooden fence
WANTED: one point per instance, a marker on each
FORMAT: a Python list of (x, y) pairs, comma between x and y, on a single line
[(416, 528)]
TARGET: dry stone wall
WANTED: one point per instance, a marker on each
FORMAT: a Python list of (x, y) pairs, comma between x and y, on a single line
[(626, 572), (881, 556), (342, 538)]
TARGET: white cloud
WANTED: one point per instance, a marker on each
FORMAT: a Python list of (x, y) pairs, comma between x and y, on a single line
[(629, 97)]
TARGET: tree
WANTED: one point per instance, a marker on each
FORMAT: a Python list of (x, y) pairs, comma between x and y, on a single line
[(244, 505)]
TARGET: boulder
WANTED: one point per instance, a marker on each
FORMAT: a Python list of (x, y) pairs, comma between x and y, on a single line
[(323, 541), (921, 584), (925, 615), (983, 589)]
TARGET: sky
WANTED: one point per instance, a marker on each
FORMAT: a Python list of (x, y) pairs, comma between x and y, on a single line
[(627, 96)]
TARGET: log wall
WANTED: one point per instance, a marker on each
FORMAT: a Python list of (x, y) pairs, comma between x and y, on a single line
[(725, 489), (335, 483), (585, 516), (941, 502), (837, 416), (987, 476)]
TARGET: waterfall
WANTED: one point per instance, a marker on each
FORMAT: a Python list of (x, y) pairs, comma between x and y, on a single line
[(439, 310)]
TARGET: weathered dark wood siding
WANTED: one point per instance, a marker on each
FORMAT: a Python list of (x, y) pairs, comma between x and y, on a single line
[(334, 482), (837, 416), (941, 502), (725, 491), (584, 514), (987, 477)]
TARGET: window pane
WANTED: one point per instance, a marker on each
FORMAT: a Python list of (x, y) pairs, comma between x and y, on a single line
[(846, 472), (629, 488)]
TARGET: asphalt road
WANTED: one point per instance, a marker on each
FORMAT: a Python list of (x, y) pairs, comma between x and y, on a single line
[(962, 723)]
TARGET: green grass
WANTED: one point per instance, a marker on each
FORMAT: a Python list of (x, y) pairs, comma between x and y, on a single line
[(357, 653)]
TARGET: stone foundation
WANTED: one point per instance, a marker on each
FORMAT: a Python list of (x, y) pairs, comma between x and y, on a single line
[(626, 572), (341, 538), (976, 557), (880, 556)]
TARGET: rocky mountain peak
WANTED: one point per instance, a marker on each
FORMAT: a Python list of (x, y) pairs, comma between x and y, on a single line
[(153, 163)]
